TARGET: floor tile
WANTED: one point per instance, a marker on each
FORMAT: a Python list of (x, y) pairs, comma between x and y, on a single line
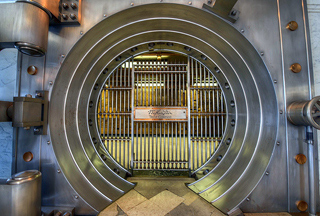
[(147, 208), (167, 200), (130, 200), (190, 197), (111, 210)]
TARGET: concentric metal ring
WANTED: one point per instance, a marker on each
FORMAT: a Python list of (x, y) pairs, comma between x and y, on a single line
[(255, 118)]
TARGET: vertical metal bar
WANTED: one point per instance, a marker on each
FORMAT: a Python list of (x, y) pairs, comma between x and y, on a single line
[(160, 88), (218, 110), (140, 145), (172, 145), (188, 101), (214, 119), (157, 150), (175, 86), (168, 158), (161, 146), (145, 146), (209, 99), (132, 115), (201, 125)]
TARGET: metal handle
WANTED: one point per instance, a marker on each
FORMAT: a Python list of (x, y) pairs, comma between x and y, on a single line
[(305, 113)]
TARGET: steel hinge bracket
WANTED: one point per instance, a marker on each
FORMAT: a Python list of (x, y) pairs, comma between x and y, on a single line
[(31, 112)]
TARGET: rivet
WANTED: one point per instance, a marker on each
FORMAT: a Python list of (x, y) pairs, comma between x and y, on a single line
[(292, 26), (217, 70), (278, 143), (73, 16), (104, 15), (38, 94), (134, 49), (248, 199), (48, 142), (36, 130), (65, 16), (90, 104), (267, 173), (300, 159), (187, 48), (74, 6), (131, 4), (204, 57), (32, 70), (205, 172), (302, 205), (58, 171), (275, 81), (233, 122), (28, 156), (94, 140), (190, 3), (105, 71), (90, 122), (65, 6), (50, 83), (62, 56), (262, 53), (228, 141), (169, 44), (219, 158), (103, 157), (118, 58), (96, 86), (26, 128), (233, 13), (281, 112), (81, 32), (29, 96), (227, 85), (76, 197), (295, 68), (242, 31), (232, 104)]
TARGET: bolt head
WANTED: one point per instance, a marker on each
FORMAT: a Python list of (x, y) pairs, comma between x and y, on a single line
[(58, 171), (76, 197), (242, 31), (50, 83), (48, 142), (190, 3)]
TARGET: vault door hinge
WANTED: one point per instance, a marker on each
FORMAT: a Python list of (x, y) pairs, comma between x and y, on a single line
[(31, 112)]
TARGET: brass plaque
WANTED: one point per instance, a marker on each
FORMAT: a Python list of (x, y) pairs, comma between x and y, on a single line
[(160, 114)]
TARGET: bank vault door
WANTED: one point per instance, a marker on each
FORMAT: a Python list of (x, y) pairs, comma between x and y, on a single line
[(164, 114)]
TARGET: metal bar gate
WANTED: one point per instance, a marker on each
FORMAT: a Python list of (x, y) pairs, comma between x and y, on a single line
[(161, 115)]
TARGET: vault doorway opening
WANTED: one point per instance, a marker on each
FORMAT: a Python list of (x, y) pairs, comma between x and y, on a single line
[(161, 112)]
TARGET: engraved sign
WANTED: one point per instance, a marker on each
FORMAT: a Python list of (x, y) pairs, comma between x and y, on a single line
[(160, 114)]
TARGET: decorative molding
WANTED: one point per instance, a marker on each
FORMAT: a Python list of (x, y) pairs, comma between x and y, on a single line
[(313, 8)]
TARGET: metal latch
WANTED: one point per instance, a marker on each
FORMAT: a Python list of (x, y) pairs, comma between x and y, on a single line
[(31, 112)]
